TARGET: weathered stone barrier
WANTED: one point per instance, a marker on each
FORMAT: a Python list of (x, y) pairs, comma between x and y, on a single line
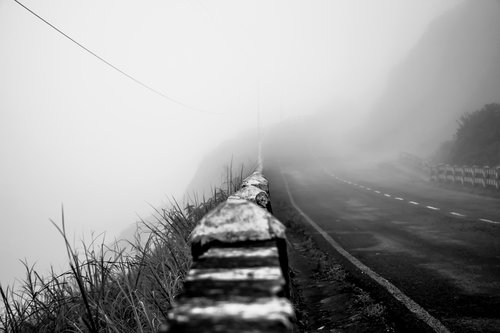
[(239, 279)]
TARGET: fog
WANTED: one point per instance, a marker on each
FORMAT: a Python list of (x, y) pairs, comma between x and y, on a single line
[(76, 132)]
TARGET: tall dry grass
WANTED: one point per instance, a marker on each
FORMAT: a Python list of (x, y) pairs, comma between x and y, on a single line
[(113, 288)]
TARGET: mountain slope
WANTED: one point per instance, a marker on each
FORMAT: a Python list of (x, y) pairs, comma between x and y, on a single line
[(454, 68)]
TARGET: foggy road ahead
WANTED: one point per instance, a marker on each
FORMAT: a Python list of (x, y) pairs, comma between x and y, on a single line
[(441, 248)]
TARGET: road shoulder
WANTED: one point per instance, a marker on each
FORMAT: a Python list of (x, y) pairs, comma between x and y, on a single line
[(325, 298)]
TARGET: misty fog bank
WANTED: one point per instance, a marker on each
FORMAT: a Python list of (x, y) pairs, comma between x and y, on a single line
[(75, 132), (453, 69)]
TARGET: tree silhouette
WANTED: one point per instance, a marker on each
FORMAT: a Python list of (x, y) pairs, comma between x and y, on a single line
[(477, 140)]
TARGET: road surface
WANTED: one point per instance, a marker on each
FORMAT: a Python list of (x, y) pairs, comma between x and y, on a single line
[(439, 247)]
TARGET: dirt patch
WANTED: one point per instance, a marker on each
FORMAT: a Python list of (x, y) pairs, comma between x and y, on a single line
[(324, 297)]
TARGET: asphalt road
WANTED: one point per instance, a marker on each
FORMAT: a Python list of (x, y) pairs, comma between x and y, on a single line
[(440, 247)]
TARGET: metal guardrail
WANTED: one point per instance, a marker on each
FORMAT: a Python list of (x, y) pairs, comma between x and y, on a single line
[(239, 279), (486, 177), (467, 175)]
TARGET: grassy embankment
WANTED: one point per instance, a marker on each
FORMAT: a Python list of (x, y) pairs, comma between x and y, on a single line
[(108, 288)]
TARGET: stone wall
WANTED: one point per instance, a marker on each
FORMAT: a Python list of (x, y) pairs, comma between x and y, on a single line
[(239, 279)]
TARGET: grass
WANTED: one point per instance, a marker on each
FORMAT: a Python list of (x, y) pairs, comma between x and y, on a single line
[(111, 288)]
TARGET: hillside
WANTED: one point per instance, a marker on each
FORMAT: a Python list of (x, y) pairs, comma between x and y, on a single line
[(240, 151), (454, 68)]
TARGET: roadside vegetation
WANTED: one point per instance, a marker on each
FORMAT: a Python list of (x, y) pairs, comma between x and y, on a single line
[(113, 288), (476, 141)]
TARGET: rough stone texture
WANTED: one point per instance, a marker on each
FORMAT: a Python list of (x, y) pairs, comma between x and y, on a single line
[(224, 282), (235, 274), (256, 269), (233, 257), (256, 179), (238, 252), (235, 314), (235, 221), (252, 193)]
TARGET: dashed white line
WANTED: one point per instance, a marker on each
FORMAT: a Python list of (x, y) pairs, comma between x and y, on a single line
[(457, 214), (411, 202), (489, 221)]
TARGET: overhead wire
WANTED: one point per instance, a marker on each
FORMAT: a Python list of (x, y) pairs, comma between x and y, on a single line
[(139, 82)]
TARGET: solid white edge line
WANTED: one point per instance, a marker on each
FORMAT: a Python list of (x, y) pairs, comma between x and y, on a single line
[(410, 304)]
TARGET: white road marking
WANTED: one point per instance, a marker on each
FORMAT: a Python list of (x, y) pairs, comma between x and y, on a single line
[(401, 199), (457, 214), (410, 304), (489, 221)]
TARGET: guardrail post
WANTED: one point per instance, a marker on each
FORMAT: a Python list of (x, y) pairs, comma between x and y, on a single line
[(496, 177)]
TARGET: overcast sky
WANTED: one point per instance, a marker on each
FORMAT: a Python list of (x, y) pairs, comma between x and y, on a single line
[(74, 131)]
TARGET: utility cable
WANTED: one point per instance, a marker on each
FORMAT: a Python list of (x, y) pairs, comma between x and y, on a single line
[(114, 67)]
